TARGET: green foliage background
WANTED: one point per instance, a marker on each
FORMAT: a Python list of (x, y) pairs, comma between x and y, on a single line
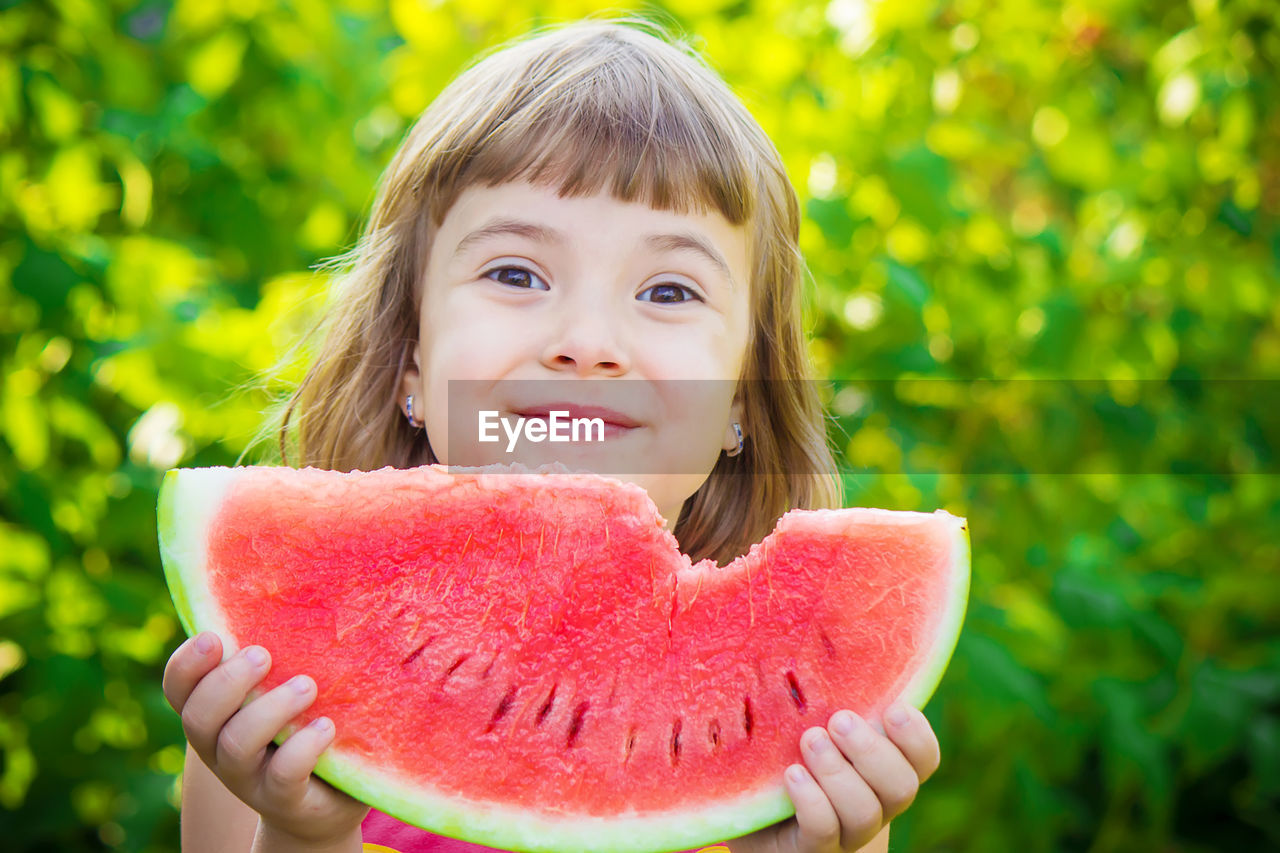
[(1030, 190)]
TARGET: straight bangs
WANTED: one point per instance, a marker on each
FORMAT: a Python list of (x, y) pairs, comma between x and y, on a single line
[(603, 113)]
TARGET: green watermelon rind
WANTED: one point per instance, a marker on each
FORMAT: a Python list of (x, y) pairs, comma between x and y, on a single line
[(196, 496)]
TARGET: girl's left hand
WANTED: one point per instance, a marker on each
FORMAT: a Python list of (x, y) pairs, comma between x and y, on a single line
[(856, 782)]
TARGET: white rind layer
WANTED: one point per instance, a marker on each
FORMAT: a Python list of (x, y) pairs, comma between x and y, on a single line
[(196, 495), (518, 829)]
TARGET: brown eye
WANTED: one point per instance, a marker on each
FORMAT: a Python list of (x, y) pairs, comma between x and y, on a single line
[(516, 277), (670, 293)]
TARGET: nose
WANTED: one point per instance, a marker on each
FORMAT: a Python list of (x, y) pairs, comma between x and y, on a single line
[(585, 340)]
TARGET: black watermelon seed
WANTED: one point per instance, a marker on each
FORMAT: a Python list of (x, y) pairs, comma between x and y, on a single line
[(503, 707), (413, 655), (546, 706), (576, 725), (455, 665), (797, 695)]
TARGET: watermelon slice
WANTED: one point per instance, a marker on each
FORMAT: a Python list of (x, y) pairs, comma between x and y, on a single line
[(524, 659)]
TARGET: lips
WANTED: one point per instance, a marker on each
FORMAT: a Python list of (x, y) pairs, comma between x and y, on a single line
[(609, 416)]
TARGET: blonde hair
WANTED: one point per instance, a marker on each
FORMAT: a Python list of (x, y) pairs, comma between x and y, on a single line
[(576, 105)]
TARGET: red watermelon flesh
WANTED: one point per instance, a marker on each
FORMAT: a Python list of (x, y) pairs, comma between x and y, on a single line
[(526, 660)]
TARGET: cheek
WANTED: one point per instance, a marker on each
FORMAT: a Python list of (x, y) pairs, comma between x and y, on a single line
[(468, 351), (451, 331), (712, 354)]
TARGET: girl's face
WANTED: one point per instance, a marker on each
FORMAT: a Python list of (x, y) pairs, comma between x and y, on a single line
[(522, 286)]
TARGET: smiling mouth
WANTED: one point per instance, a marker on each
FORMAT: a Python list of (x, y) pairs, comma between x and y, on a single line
[(618, 421), (578, 423)]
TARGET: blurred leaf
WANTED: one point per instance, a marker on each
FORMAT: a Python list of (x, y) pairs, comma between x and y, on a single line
[(994, 669)]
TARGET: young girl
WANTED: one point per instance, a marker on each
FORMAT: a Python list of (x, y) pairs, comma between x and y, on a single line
[(587, 205)]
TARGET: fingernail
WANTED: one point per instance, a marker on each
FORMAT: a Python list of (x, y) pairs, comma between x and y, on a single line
[(859, 734), (204, 644), (256, 655), (300, 684), (820, 743), (796, 773), (322, 724), (842, 723), (897, 715)]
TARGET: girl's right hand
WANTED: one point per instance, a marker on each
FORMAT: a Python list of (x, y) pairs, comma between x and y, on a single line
[(236, 742)]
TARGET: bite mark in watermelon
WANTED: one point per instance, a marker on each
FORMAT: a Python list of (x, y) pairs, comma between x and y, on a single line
[(527, 661)]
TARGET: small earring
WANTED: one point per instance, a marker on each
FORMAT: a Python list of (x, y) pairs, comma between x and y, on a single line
[(737, 431), (408, 412)]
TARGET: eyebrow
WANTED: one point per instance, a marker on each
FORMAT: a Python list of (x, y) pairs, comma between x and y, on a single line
[(673, 242)]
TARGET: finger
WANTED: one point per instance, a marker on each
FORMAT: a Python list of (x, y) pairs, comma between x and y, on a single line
[(288, 772), (877, 761), (190, 662), (914, 737), (242, 743), (817, 828), (857, 808), (218, 696)]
